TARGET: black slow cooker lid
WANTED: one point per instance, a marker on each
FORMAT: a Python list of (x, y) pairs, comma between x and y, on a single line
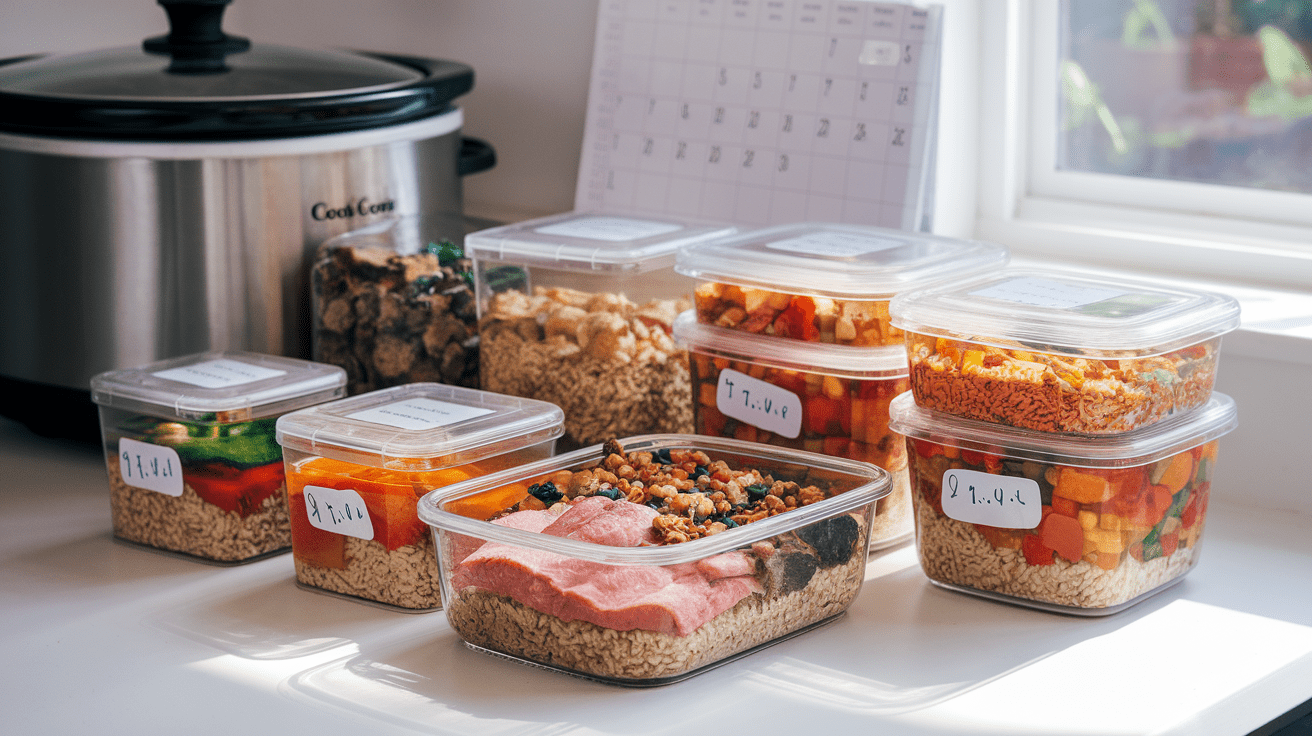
[(200, 84)]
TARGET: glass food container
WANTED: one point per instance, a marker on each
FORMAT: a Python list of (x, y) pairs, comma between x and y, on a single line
[(576, 309), (1058, 352), (190, 450), (357, 467), (831, 399), (1080, 525), (391, 307), (585, 576), (821, 282)]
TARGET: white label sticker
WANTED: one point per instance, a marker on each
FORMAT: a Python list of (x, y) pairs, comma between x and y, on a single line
[(1044, 293), (419, 413), (611, 229), (758, 403), (339, 511), (153, 467), (221, 373), (834, 245), (879, 53), (1003, 501)]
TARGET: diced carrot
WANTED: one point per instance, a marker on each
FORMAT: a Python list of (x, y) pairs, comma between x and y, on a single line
[(972, 361), (837, 447), (1108, 560), (706, 394), (1065, 506), (1105, 540), (1082, 487), (710, 421), (1177, 473), (1064, 535), (821, 415)]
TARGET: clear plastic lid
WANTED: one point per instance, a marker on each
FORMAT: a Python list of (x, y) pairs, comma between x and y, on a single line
[(863, 484), (838, 261), (1069, 314), (585, 241), (219, 386), (844, 361), (421, 426), (1171, 436)]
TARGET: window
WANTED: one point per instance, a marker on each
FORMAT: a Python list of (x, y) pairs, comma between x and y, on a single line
[(1099, 144)]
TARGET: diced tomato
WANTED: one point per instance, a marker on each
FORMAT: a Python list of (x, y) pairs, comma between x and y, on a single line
[(798, 320), (927, 449), (1190, 513), (1035, 551), (973, 457), (819, 411), (1065, 506), (240, 491), (1064, 535), (838, 447)]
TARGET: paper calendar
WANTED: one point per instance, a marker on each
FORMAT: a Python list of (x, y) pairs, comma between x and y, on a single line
[(761, 112)]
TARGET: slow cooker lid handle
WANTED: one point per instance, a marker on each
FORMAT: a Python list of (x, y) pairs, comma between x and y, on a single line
[(196, 40)]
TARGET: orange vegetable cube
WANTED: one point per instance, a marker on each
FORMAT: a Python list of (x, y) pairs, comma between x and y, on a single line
[(1178, 472), (1064, 535), (1082, 487)]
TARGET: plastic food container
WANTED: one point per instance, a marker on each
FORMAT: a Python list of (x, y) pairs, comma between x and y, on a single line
[(393, 307), (189, 445), (356, 469), (564, 583), (1082, 525), (1063, 353), (831, 399), (576, 310), (822, 282)]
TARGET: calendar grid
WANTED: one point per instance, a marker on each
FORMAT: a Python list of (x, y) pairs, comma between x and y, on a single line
[(762, 111)]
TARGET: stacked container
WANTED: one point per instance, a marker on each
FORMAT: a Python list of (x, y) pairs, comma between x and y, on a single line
[(357, 467), (791, 342), (189, 445), (1063, 433), (576, 310)]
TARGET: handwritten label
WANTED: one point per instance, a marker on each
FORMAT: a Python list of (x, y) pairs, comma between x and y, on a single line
[(611, 229), (221, 373), (1045, 293), (338, 511), (759, 404), (419, 414), (152, 467), (836, 245), (1002, 501)]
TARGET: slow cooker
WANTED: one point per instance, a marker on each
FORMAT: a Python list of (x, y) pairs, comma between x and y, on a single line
[(167, 199)]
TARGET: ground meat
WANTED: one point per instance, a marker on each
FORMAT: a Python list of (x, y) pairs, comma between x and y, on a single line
[(193, 526), (502, 624), (609, 364), (389, 319), (405, 577)]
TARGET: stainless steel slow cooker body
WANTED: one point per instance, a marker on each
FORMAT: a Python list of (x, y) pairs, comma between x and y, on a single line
[(162, 202)]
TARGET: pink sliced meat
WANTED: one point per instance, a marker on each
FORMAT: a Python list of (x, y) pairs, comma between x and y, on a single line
[(672, 599)]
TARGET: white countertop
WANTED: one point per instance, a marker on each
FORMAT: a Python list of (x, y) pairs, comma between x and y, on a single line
[(101, 637)]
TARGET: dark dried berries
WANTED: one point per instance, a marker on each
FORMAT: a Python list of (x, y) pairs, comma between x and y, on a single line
[(545, 492), (608, 492), (757, 491), (833, 539)]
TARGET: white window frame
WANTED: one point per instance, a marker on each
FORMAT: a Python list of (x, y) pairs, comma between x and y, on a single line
[(1251, 236)]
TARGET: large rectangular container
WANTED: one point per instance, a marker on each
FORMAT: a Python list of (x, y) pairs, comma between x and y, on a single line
[(585, 577), (1080, 525), (189, 447), (576, 309), (357, 467)]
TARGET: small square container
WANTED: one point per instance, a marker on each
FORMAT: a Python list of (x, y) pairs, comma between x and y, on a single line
[(1079, 525), (357, 467), (823, 282), (1058, 352), (831, 399), (576, 310), (585, 578), (193, 464), (393, 306)]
